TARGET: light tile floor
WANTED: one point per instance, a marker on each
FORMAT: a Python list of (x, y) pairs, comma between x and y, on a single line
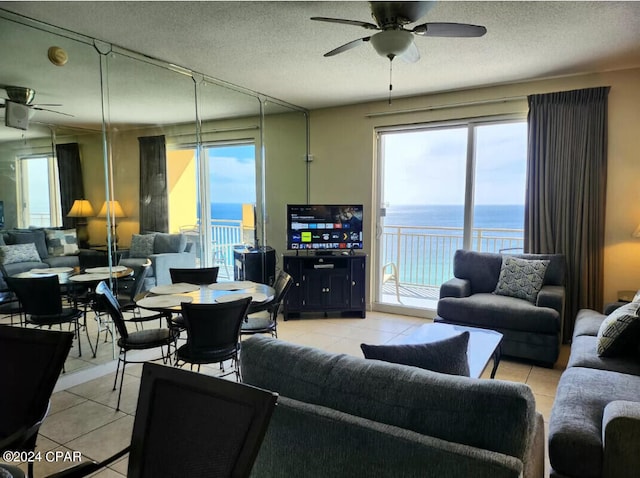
[(83, 416)]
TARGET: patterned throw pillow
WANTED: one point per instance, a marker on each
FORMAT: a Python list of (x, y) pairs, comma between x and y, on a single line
[(19, 253), (521, 278), (141, 245), (62, 242), (445, 356), (619, 332)]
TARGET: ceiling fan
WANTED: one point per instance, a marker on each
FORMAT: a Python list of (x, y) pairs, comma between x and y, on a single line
[(393, 39), (19, 107)]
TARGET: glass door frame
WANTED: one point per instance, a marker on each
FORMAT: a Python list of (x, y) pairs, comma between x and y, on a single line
[(378, 200)]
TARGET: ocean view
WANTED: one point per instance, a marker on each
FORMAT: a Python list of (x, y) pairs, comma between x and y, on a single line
[(485, 216)]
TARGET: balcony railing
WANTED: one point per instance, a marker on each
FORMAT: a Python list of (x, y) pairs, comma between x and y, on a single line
[(424, 254)]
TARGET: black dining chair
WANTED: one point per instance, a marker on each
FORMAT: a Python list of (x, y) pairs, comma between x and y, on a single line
[(30, 363), (266, 321), (41, 299), (139, 340), (215, 432), (197, 276), (213, 333)]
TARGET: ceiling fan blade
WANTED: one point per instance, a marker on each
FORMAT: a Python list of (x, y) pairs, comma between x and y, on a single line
[(368, 26), (449, 30), (411, 55), (347, 46), (52, 111)]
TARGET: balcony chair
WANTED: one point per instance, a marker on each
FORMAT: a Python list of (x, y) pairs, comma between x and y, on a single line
[(138, 340), (390, 273), (266, 321), (41, 299), (30, 363), (215, 432), (213, 333)]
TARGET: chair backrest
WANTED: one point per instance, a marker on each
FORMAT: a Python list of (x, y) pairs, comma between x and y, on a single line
[(216, 430), (30, 362), (197, 276), (214, 326), (283, 283), (38, 295), (107, 301), (139, 276)]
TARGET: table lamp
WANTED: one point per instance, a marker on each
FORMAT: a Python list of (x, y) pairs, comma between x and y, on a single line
[(81, 209), (114, 210)]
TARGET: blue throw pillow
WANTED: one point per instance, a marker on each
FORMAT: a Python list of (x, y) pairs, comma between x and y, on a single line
[(141, 245), (445, 356)]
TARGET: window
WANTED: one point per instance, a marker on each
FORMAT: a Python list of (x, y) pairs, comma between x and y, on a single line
[(38, 192), (444, 188)]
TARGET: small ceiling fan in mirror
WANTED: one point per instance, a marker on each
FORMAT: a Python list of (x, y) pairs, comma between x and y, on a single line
[(19, 107)]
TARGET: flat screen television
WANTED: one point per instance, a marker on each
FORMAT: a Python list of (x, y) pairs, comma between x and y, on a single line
[(322, 227)]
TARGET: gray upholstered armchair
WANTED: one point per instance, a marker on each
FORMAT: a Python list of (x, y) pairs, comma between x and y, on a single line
[(531, 329)]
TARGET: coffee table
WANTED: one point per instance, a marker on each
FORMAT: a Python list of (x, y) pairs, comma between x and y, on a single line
[(484, 344)]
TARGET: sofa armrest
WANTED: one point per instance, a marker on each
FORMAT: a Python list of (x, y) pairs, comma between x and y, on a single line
[(455, 288), (552, 296), (611, 306), (163, 262), (621, 438)]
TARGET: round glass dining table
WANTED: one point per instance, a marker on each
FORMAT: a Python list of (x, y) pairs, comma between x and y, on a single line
[(168, 298)]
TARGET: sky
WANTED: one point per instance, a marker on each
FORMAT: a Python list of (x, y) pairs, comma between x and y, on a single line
[(428, 167), (233, 174)]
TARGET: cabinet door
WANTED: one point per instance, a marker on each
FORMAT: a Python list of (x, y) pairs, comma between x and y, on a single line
[(293, 299), (315, 288), (337, 294), (358, 270)]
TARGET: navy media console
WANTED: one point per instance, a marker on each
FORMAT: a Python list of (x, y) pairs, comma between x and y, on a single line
[(325, 283)]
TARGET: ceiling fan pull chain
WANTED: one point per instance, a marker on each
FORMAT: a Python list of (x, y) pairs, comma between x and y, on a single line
[(390, 78)]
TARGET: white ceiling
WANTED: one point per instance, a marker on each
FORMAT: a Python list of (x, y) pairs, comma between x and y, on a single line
[(273, 47)]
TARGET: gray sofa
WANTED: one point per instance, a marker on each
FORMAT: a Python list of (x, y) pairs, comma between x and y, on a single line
[(167, 251), (342, 416), (531, 331), (39, 238), (594, 428)]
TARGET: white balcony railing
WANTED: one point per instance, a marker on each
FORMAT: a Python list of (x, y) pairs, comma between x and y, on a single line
[(424, 254)]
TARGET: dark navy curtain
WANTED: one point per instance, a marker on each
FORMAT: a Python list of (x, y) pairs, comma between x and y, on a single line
[(154, 212), (70, 177), (566, 188)]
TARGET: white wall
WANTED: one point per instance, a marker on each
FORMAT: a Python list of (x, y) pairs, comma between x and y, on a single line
[(343, 143)]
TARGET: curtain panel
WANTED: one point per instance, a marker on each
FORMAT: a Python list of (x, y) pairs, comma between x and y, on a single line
[(566, 188), (154, 212), (70, 177)]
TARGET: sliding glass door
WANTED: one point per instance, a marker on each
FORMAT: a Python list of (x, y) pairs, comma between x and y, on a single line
[(444, 188)]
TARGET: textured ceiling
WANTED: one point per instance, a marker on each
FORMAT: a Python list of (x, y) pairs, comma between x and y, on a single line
[(273, 47)]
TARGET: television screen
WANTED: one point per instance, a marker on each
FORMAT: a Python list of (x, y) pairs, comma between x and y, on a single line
[(323, 227)]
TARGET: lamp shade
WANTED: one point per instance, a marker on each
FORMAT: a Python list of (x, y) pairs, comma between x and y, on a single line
[(81, 208), (115, 210)]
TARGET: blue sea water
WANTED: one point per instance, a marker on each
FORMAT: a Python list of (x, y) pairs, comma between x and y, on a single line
[(485, 216)]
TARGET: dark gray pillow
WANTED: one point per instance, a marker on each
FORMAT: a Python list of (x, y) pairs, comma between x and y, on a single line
[(445, 356), (36, 236), (169, 243), (521, 278), (141, 245)]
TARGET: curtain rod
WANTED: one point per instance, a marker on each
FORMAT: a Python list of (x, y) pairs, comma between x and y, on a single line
[(220, 130), (447, 106)]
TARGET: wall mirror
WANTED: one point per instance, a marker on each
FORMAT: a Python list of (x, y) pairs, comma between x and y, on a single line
[(234, 158)]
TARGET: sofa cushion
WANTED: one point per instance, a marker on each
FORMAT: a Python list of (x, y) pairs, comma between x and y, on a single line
[(165, 243), (64, 261), (37, 236), (583, 354), (19, 253), (141, 245), (2, 243), (521, 278), (575, 426), (445, 356), (619, 332), (457, 409), (62, 242), (479, 268), (499, 312)]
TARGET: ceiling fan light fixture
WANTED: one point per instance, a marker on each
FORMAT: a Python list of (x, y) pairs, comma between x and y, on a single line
[(392, 43)]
